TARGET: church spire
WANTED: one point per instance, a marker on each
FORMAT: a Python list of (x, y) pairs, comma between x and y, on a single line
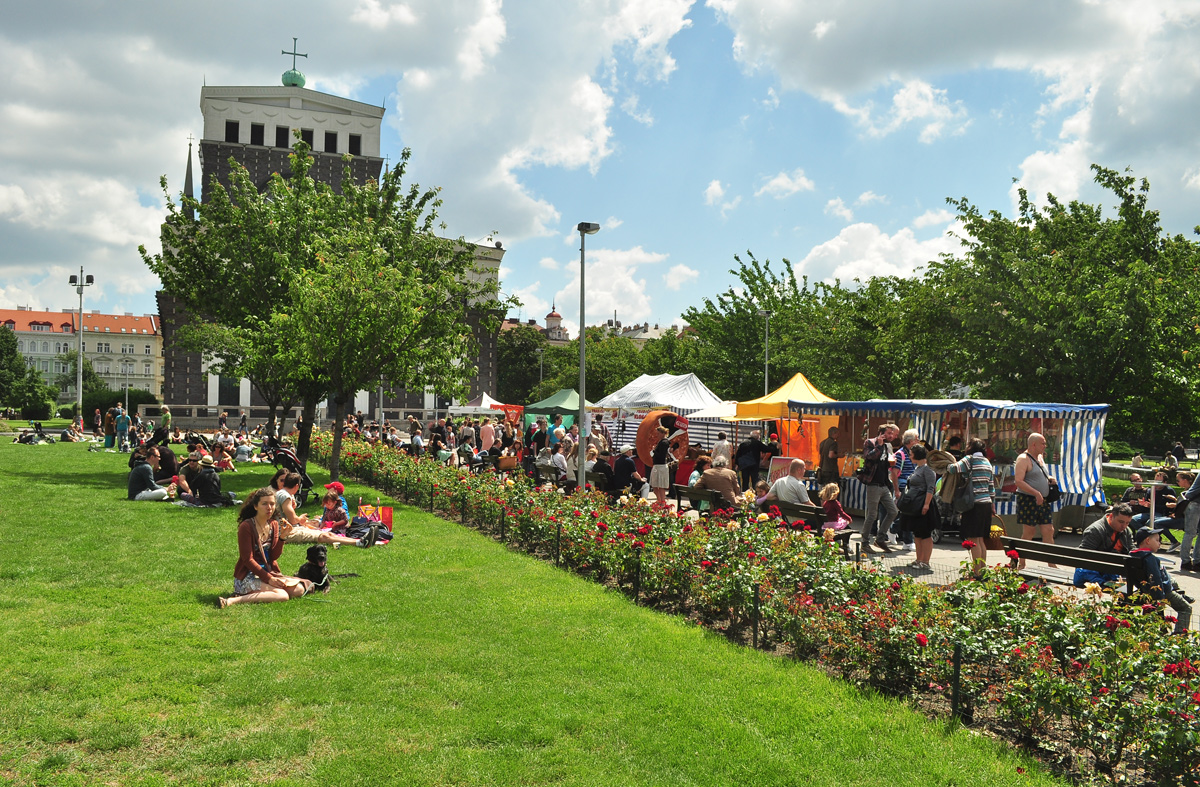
[(187, 184)]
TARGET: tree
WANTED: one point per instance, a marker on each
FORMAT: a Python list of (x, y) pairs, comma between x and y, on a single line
[(12, 368), (612, 362), (1062, 304), (33, 396), (671, 353), (382, 295), (67, 379), (517, 358)]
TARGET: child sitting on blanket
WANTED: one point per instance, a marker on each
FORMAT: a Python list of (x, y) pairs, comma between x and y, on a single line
[(334, 516)]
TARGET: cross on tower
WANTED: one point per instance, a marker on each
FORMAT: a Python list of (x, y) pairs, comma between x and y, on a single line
[(293, 53)]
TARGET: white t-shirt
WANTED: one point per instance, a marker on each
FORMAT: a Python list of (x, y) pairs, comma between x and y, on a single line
[(790, 489), (723, 448)]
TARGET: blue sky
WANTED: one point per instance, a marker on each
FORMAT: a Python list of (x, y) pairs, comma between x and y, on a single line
[(828, 133)]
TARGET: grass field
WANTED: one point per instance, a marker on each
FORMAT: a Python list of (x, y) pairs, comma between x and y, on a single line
[(449, 660)]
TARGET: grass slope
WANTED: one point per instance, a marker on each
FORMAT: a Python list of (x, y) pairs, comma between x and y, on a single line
[(450, 660)]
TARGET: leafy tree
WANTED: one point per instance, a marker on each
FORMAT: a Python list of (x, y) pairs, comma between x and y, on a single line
[(91, 380), (32, 395), (612, 362), (12, 368), (517, 357), (382, 294), (672, 353), (1062, 304)]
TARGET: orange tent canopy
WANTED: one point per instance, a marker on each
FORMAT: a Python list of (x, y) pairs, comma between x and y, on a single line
[(775, 404)]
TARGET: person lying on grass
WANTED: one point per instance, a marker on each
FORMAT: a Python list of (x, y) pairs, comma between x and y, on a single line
[(296, 529), (256, 576)]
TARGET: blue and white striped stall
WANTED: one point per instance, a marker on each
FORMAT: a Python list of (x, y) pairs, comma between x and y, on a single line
[(1077, 466)]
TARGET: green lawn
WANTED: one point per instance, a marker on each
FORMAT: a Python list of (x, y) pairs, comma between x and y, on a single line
[(449, 660)]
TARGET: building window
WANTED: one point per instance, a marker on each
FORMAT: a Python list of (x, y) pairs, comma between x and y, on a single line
[(46, 348), (256, 133), (306, 134), (20, 346), (45, 366), (231, 131), (126, 349), (83, 346), (146, 369), (356, 144), (331, 142), (103, 347), (281, 136), (38, 326), (103, 368), (10, 325), (147, 349)]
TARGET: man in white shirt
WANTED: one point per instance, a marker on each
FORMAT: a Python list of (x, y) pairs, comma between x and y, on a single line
[(791, 488), (722, 447)]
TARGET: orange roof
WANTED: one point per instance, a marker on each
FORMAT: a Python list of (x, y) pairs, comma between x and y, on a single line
[(64, 322), (22, 319), (145, 325)]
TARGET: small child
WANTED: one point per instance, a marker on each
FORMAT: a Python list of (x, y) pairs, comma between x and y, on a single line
[(835, 516), (334, 516), (761, 489)]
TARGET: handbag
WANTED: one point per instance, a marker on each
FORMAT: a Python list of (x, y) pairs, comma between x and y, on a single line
[(1054, 495), (912, 501)]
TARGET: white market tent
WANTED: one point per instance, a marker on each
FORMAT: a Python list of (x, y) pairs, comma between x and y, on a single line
[(682, 393), (482, 404)]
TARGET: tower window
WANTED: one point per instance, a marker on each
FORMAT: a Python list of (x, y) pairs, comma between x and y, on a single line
[(331, 142), (356, 144), (231, 131), (306, 134), (281, 136), (256, 133)]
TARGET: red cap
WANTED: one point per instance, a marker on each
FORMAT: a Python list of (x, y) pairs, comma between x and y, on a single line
[(336, 486), (774, 436)]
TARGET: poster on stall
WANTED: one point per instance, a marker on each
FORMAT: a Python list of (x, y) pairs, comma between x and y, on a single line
[(779, 468)]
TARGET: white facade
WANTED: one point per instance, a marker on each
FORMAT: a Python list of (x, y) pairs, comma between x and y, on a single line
[(289, 108)]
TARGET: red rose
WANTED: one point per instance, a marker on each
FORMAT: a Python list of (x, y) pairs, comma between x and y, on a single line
[(922, 640), (1012, 554), (752, 555), (968, 544), (1024, 588)]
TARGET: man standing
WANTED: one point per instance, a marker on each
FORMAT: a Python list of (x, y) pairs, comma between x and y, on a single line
[(827, 468), (876, 475), (748, 457), (901, 470), (1107, 534), (121, 423), (722, 447), (601, 430), (1033, 484)]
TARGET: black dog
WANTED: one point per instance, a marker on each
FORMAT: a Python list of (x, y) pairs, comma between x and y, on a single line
[(314, 570)]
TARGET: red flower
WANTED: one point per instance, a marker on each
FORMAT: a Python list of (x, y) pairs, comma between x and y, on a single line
[(638, 545), (968, 544), (895, 586), (687, 528), (705, 563), (752, 555), (601, 526), (922, 640), (1024, 588), (1012, 554), (644, 530)]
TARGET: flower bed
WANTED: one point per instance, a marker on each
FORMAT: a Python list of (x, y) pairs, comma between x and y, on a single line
[(1095, 685)]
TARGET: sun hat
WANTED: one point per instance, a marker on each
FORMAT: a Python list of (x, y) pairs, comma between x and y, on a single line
[(207, 461)]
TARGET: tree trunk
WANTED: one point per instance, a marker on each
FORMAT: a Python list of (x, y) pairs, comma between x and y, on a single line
[(339, 402), (304, 443)]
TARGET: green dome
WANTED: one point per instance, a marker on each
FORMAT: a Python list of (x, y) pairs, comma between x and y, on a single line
[(293, 78)]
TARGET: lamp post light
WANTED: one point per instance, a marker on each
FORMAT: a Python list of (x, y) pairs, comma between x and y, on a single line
[(79, 283), (585, 228), (766, 313)]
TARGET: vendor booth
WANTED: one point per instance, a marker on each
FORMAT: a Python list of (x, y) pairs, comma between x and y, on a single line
[(684, 394), (1073, 434), (486, 405), (799, 435), (564, 403)]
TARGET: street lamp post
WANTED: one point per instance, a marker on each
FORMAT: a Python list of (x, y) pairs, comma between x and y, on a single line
[(539, 352), (585, 228), (80, 282), (766, 350)]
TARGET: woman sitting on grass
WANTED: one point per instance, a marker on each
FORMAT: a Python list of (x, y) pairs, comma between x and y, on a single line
[(256, 577)]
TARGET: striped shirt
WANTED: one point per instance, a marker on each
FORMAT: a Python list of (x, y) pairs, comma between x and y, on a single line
[(983, 483)]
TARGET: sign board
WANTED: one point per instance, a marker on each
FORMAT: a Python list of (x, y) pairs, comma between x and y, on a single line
[(779, 468)]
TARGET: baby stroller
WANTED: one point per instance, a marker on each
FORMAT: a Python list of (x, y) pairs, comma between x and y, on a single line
[(270, 445), (286, 458), (199, 439)]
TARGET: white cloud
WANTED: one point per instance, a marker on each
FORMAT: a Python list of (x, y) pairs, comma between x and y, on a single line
[(785, 184), (482, 39), (611, 223), (932, 217), (863, 250), (374, 14), (915, 101), (837, 207), (643, 116), (1060, 172), (772, 99), (869, 198), (678, 276), (822, 28), (549, 263), (714, 192), (614, 281)]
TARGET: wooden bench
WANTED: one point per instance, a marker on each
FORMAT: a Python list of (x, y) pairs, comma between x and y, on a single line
[(599, 481), (696, 496), (1104, 562), (815, 517)]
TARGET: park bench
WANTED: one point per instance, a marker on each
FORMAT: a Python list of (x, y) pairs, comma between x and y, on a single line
[(1105, 562), (696, 496), (599, 481), (815, 518)]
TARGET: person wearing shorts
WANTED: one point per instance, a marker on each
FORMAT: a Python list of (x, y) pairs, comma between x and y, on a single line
[(660, 471), (1034, 514), (295, 528), (921, 525), (256, 576), (976, 522)]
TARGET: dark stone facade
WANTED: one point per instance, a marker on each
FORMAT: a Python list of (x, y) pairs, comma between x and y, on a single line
[(262, 162), (183, 382)]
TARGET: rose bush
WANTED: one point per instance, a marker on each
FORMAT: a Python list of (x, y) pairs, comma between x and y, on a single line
[(1103, 667)]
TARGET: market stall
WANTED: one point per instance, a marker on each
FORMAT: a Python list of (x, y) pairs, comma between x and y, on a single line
[(564, 403), (1073, 434), (486, 405), (799, 436), (684, 394)]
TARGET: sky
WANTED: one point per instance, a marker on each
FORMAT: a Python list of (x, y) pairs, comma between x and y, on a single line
[(827, 133)]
